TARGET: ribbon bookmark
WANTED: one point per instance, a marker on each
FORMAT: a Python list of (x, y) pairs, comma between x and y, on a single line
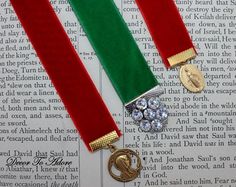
[(73, 84), (123, 62), (172, 40)]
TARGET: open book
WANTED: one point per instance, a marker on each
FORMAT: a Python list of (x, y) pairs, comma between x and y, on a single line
[(40, 147)]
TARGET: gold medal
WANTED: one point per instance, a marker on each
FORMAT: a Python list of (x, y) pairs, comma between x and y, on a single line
[(121, 160), (120, 164), (192, 78)]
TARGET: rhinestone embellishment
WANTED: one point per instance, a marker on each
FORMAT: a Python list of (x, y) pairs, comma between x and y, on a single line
[(145, 125), (164, 115), (157, 125), (154, 102), (137, 115), (150, 114), (141, 104)]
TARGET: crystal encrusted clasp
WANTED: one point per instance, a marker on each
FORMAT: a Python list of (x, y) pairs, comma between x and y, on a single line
[(148, 112)]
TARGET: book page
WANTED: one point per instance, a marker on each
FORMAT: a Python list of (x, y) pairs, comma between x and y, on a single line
[(41, 147)]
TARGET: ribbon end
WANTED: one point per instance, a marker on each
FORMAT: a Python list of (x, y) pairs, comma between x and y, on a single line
[(182, 57)]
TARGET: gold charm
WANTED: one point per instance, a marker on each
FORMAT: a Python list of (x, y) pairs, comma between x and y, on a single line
[(121, 160), (192, 78)]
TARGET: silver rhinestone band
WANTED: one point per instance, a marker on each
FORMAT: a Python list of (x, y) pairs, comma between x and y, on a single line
[(148, 112)]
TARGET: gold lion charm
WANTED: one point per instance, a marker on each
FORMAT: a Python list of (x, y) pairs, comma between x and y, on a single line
[(121, 160)]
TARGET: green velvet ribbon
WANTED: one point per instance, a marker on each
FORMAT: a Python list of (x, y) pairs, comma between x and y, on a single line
[(115, 47)]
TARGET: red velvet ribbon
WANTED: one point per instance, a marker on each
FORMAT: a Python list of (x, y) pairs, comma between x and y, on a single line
[(166, 27), (65, 69)]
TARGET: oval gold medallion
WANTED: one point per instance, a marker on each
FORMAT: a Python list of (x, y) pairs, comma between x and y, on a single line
[(192, 78), (120, 165)]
